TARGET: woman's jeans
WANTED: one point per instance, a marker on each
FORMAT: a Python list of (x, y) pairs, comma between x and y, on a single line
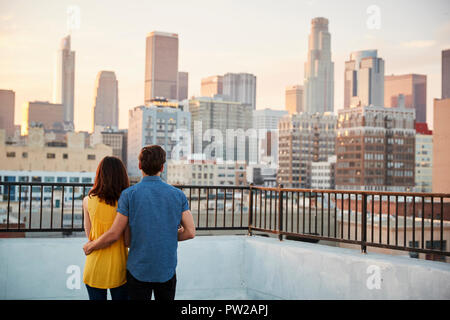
[(119, 293)]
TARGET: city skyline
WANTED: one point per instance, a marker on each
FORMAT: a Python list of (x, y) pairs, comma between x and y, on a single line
[(274, 52)]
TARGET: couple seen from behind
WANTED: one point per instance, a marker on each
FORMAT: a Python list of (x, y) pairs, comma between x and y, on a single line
[(149, 218)]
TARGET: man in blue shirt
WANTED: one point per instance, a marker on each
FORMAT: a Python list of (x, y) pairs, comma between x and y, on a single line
[(153, 210)]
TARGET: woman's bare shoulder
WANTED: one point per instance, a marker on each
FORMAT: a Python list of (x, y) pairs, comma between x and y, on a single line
[(85, 200)]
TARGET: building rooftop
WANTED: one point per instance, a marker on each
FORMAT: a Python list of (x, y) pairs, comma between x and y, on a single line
[(344, 248), (233, 267), (162, 34)]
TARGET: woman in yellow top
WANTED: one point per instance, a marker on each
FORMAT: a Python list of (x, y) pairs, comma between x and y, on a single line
[(106, 268)]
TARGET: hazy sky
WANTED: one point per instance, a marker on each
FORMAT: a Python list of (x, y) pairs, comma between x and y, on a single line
[(266, 38)]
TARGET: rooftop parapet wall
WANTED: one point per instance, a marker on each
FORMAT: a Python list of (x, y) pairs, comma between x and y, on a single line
[(233, 267)]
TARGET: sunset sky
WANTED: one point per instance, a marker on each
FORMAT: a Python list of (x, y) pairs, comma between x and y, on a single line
[(266, 38)]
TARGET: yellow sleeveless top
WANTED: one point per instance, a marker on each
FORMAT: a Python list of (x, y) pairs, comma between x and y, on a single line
[(104, 268)]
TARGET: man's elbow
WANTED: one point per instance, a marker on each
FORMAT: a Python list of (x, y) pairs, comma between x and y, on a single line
[(186, 234), (190, 234)]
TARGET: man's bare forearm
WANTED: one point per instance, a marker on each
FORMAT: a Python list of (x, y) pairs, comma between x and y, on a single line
[(104, 241), (109, 237)]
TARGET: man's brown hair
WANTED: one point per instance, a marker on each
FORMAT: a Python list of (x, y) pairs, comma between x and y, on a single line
[(152, 159)]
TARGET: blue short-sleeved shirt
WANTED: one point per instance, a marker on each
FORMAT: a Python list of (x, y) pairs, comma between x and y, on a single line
[(154, 209)]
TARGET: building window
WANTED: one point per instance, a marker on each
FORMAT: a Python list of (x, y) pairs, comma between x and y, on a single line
[(91, 157), (86, 180), (24, 154), (23, 179), (11, 154), (50, 156), (74, 179), (65, 156)]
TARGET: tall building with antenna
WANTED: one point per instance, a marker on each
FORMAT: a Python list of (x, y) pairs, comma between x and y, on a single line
[(64, 79), (319, 69)]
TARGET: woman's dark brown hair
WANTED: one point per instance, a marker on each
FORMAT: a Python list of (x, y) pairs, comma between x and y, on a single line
[(110, 180)]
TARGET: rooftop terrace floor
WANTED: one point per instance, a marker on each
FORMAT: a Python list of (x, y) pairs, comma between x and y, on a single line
[(233, 267)]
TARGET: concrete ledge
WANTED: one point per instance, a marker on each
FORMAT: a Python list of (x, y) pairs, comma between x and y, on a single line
[(233, 267), (299, 270), (211, 267)]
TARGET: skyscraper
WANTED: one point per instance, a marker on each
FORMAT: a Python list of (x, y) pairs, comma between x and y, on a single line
[(424, 158), (375, 149), (266, 122), (231, 118), (106, 107), (155, 123), (446, 74), (211, 86), (409, 91), (364, 79), (240, 87), (319, 69), (304, 138), (183, 85), (441, 132), (7, 105), (441, 149), (64, 79), (161, 66), (294, 102)]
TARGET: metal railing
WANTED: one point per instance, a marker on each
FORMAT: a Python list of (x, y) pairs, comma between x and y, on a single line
[(414, 222), (57, 207), (42, 207), (218, 207)]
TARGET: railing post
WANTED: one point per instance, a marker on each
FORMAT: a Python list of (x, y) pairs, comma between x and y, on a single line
[(363, 222), (280, 212), (250, 210)]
